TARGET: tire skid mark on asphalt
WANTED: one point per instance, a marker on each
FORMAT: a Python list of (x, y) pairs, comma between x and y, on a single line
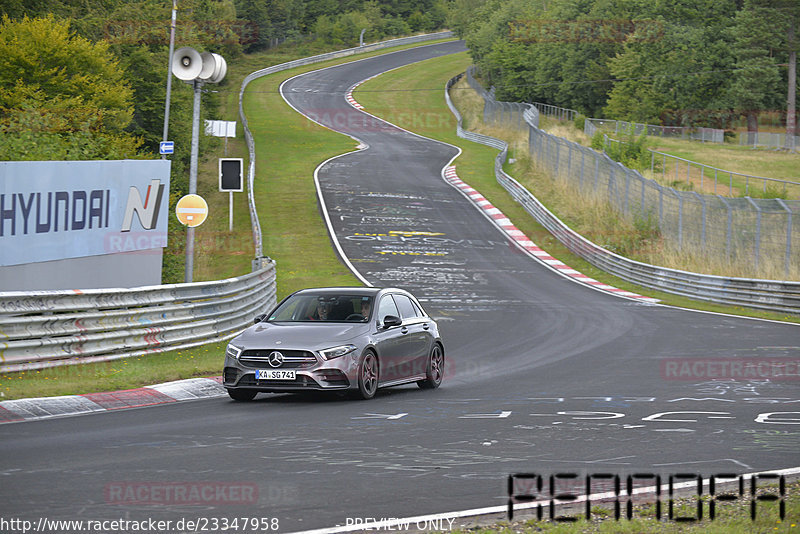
[(515, 234), (524, 242)]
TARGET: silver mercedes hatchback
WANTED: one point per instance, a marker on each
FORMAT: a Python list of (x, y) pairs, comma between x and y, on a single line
[(350, 339)]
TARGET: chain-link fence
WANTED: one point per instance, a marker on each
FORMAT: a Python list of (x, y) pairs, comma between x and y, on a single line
[(770, 140), (756, 232), (686, 174), (710, 135), (719, 181)]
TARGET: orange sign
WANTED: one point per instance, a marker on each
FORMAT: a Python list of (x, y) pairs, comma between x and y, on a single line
[(191, 210)]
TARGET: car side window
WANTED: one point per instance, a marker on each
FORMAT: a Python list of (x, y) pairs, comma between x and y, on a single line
[(406, 307), (387, 307), (417, 308)]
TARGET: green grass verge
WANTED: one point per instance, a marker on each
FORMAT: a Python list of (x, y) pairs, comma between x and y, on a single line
[(741, 159)]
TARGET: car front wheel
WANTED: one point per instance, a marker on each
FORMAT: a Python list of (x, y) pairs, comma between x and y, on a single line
[(435, 369), (368, 376)]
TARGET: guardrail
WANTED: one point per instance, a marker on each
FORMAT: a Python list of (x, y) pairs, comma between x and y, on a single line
[(49, 328), (257, 240), (769, 295)]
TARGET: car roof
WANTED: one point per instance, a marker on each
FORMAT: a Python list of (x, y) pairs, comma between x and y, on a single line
[(365, 291)]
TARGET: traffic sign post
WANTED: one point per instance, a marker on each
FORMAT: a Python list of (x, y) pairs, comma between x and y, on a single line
[(191, 210), (230, 180)]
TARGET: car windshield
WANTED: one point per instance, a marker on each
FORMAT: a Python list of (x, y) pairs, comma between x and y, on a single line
[(327, 307)]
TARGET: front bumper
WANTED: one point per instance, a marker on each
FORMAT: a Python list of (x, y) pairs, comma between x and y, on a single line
[(319, 374)]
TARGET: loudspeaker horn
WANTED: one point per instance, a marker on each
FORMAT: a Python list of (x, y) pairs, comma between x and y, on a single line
[(214, 68), (186, 63), (219, 73)]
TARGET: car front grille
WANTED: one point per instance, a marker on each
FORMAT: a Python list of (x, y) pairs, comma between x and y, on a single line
[(292, 359), (302, 381)]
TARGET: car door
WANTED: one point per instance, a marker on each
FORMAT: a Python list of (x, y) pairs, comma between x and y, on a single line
[(417, 330), (392, 342)]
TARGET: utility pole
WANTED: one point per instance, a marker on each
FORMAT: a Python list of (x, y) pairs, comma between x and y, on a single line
[(169, 70)]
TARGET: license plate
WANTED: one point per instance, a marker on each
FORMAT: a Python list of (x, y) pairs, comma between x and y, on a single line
[(275, 374)]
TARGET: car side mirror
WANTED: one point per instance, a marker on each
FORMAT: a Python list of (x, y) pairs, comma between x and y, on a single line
[(259, 318), (391, 320)]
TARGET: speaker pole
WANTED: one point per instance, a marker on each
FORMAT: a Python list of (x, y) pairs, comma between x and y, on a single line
[(169, 70), (198, 86)]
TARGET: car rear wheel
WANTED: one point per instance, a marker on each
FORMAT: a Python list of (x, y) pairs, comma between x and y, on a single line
[(368, 376), (435, 370), (242, 395)]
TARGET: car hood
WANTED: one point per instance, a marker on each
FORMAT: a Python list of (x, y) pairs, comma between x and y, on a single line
[(303, 336)]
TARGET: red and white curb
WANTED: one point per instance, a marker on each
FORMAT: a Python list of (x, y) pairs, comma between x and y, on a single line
[(349, 94), (529, 246), (351, 100), (12, 411)]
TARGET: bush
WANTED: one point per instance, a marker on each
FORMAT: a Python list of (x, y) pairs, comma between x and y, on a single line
[(580, 122), (630, 150)]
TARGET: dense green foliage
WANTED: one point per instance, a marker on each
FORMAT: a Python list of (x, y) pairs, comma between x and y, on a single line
[(125, 42), (61, 96), (704, 62)]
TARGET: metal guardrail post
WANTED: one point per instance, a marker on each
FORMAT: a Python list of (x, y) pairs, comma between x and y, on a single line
[(49, 328)]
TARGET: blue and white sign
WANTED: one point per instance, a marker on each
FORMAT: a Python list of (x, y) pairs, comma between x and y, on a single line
[(166, 147), (53, 210)]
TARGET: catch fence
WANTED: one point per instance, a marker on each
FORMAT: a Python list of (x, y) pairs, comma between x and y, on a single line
[(710, 135), (762, 233)]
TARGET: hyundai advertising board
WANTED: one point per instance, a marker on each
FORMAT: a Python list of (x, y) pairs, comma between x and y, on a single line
[(59, 210)]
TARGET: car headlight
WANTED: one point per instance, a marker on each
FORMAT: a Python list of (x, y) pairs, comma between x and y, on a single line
[(233, 351), (337, 352)]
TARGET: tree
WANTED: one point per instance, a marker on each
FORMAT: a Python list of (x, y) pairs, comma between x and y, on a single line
[(791, 104), (755, 37), (66, 96), (790, 10)]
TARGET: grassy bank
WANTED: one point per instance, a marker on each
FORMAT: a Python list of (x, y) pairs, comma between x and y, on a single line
[(592, 217)]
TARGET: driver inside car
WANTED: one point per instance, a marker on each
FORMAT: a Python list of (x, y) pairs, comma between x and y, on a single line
[(322, 310)]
